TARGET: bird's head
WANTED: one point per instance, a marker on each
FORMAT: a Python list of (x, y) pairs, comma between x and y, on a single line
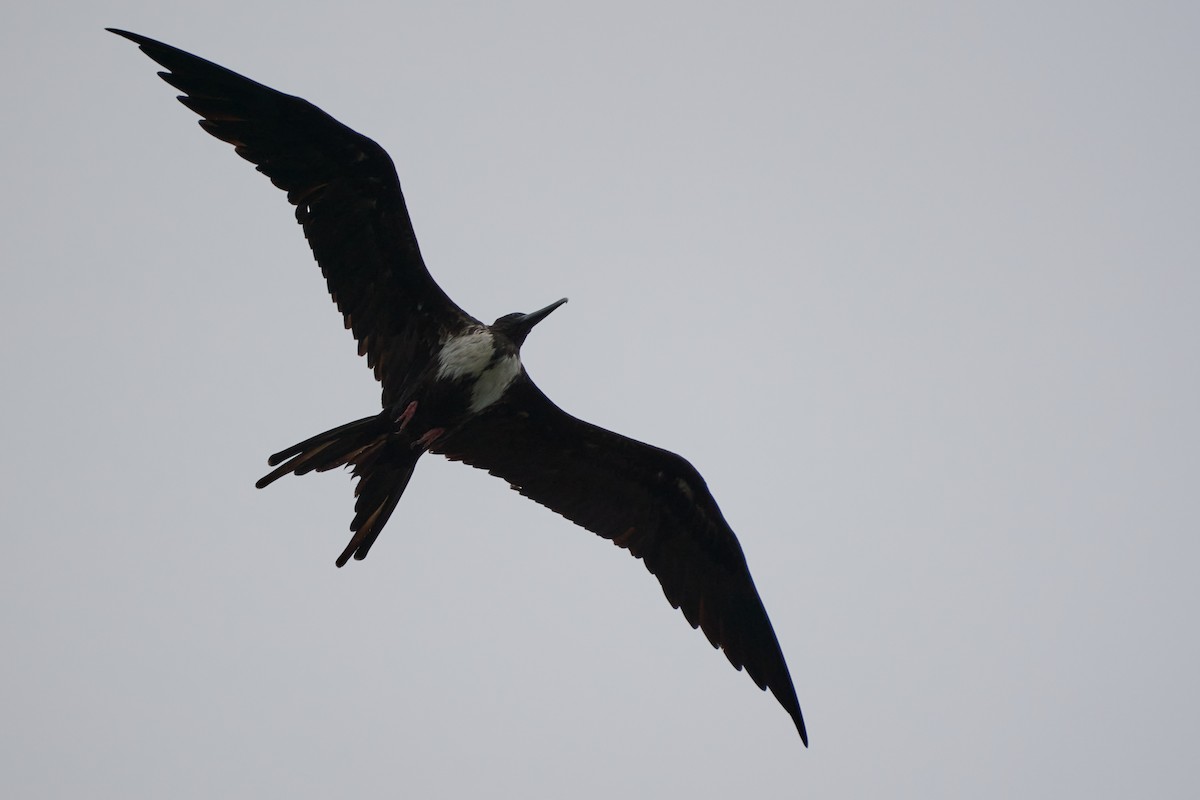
[(517, 326)]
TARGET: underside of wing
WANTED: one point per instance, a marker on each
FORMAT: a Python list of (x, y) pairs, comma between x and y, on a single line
[(649, 501), (347, 197)]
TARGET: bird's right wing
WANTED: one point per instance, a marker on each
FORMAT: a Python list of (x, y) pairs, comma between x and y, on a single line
[(348, 199), (647, 500)]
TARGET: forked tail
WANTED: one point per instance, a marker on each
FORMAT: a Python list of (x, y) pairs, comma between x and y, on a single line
[(382, 463)]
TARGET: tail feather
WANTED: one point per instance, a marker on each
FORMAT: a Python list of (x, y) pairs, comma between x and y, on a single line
[(358, 428), (303, 464), (382, 464), (381, 482)]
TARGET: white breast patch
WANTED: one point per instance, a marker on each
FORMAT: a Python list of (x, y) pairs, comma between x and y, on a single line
[(466, 355), (492, 383), (469, 357)]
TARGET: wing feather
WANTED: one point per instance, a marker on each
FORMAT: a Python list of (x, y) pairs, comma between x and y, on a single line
[(647, 500), (348, 199)]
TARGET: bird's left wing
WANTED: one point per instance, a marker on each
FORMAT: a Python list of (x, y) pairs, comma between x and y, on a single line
[(348, 199), (647, 500)]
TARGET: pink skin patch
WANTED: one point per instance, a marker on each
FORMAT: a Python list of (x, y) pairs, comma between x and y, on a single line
[(429, 437), (407, 415)]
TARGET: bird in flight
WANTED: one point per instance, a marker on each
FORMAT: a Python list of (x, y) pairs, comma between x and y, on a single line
[(456, 387)]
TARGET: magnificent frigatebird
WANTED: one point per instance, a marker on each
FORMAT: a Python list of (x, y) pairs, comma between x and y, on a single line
[(455, 386)]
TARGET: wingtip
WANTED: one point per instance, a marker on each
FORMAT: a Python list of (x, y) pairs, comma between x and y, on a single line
[(798, 718), (143, 42)]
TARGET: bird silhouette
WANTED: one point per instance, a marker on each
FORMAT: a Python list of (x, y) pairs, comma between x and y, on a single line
[(455, 386)]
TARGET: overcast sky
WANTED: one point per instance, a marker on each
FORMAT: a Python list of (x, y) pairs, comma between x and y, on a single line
[(914, 285)]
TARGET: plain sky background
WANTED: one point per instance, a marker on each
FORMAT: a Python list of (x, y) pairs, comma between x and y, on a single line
[(914, 285)]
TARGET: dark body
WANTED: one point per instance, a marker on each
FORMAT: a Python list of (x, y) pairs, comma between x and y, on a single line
[(456, 387)]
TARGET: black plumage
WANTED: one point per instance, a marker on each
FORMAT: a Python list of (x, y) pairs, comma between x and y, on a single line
[(454, 386)]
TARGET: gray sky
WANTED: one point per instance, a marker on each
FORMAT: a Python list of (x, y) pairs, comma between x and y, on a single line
[(913, 285)]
